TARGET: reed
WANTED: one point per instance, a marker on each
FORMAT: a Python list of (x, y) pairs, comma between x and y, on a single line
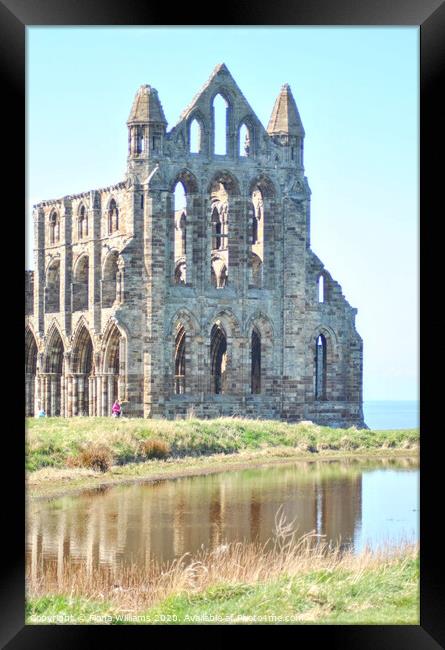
[(132, 588)]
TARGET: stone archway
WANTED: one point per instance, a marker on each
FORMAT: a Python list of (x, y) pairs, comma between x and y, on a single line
[(82, 368), (325, 365), (52, 288), (111, 388), (259, 332), (80, 284), (110, 277), (30, 372), (51, 387), (185, 345)]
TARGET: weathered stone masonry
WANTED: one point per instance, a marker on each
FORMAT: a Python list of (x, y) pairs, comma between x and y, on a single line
[(217, 307)]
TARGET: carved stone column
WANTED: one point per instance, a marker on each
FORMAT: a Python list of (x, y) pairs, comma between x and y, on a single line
[(91, 386), (75, 396), (47, 397), (122, 379), (37, 394), (81, 394), (69, 396), (99, 395), (27, 396), (104, 395), (120, 281), (53, 395), (110, 393), (42, 392), (62, 396), (67, 385)]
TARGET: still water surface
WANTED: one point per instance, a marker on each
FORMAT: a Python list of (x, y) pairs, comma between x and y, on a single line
[(352, 502)]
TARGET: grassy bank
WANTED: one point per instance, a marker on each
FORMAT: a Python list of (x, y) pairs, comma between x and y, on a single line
[(239, 583), (57, 442), (61, 452), (50, 482)]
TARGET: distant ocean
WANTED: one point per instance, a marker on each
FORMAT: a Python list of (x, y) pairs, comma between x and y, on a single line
[(391, 415)]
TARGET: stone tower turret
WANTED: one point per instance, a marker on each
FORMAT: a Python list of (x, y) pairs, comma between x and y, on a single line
[(286, 128), (146, 130)]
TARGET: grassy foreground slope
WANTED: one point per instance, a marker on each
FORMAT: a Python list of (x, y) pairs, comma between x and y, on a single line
[(388, 596), (58, 442), (373, 591)]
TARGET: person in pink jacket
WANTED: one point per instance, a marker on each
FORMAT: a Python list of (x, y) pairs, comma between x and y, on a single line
[(116, 409)]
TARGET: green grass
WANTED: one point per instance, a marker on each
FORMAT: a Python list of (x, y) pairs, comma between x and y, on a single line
[(385, 593), (53, 442), (65, 609), (376, 596)]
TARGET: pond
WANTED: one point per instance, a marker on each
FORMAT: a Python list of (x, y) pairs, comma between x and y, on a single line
[(352, 503)]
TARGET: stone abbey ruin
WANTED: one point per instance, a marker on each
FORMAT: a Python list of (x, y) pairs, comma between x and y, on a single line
[(214, 307)]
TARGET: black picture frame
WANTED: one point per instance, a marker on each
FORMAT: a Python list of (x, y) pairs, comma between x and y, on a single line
[(15, 16)]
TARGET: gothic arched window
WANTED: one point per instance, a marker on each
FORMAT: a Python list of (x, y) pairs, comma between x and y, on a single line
[(320, 367), (245, 141), (54, 228), (321, 289), (140, 140), (218, 359), (180, 233), (180, 361), (220, 106), (52, 288), (113, 217), (110, 280), (257, 246), (80, 284), (255, 374), (82, 223), (195, 137), (219, 234)]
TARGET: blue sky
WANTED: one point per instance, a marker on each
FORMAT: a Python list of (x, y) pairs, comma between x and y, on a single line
[(357, 91)]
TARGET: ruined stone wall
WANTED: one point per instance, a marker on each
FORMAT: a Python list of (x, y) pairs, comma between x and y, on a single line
[(29, 292), (114, 315), (335, 319)]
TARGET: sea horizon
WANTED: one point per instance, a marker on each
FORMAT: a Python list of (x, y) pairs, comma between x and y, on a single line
[(391, 414)]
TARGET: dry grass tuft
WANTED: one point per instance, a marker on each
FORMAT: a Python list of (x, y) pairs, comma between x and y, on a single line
[(154, 448), (96, 456)]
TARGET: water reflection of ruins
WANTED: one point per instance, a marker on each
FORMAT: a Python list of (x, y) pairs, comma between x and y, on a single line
[(162, 521)]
